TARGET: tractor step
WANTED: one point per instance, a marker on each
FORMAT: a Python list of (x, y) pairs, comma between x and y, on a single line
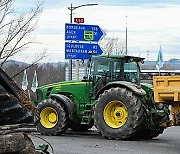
[(86, 118)]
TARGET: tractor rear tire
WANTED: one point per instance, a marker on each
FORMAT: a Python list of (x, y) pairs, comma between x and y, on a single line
[(80, 127), (53, 117), (119, 114)]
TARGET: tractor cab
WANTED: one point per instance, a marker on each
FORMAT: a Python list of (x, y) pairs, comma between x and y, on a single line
[(104, 69)]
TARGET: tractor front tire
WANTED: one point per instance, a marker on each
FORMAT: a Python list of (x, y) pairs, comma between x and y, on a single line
[(119, 114), (53, 117)]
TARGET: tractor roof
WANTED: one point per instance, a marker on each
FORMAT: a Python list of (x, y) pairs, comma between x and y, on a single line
[(121, 57)]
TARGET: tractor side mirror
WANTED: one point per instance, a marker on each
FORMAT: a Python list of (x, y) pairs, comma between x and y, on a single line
[(90, 57), (85, 77)]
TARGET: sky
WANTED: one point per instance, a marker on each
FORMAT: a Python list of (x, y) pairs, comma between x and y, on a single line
[(150, 23)]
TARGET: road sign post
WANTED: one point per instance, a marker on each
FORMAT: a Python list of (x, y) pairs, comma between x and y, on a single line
[(71, 9)]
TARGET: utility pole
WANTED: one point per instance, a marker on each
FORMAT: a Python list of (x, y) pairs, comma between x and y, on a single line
[(147, 55), (70, 61)]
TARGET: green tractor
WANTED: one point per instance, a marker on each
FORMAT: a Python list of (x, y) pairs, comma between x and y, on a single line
[(110, 98)]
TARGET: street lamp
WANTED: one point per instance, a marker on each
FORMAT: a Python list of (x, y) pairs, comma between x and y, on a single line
[(72, 8)]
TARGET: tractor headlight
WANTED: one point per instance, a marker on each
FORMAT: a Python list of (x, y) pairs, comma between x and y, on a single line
[(133, 80)]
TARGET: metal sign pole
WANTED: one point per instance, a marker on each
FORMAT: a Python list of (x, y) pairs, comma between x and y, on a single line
[(77, 61), (70, 61), (126, 37)]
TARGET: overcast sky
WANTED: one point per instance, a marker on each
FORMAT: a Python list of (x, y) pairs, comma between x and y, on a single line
[(150, 23)]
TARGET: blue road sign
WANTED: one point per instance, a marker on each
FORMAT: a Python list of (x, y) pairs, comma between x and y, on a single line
[(80, 32), (81, 50)]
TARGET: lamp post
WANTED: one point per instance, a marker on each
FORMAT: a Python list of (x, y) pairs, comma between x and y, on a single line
[(72, 8), (126, 37)]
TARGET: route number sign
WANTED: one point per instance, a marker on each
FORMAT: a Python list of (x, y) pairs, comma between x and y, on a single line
[(79, 20)]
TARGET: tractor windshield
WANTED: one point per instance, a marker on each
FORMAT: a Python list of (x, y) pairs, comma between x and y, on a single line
[(114, 69)]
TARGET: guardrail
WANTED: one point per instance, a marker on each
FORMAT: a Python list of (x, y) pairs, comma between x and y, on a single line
[(147, 75)]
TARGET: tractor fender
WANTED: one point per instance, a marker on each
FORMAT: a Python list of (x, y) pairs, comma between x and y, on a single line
[(132, 86), (67, 102)]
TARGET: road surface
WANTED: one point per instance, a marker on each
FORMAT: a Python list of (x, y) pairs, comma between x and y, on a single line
[(93, 143)]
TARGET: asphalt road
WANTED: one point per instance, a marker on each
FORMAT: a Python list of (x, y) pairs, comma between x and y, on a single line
[(93, 143)]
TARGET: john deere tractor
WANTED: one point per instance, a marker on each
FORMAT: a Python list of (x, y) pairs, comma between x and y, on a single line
[(111, 97)]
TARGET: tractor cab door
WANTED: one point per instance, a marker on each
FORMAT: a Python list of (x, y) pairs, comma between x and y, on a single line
[(104, 70)]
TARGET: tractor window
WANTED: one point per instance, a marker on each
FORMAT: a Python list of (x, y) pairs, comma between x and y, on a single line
[(100, 66), (106, 67), (131, 72)]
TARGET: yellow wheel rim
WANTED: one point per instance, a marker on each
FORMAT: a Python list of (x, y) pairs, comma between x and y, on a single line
[(49, 117), (115, 114)]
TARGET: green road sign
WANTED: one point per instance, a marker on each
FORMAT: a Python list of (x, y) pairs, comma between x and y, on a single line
[(88, 35)]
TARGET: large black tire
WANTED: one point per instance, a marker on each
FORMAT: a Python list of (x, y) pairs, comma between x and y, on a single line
[(149, 134), (80, 127), (11, 112), (130, 109), (54, 117)]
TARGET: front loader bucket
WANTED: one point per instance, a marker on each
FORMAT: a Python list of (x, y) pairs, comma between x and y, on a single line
[(15, 106)]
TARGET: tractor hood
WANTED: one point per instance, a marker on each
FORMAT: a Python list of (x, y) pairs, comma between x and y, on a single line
[(71, 87), (57, 84)]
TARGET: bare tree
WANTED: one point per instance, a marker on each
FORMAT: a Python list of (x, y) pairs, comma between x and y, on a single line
[(34, 63), (113, 45), (15, 29)]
